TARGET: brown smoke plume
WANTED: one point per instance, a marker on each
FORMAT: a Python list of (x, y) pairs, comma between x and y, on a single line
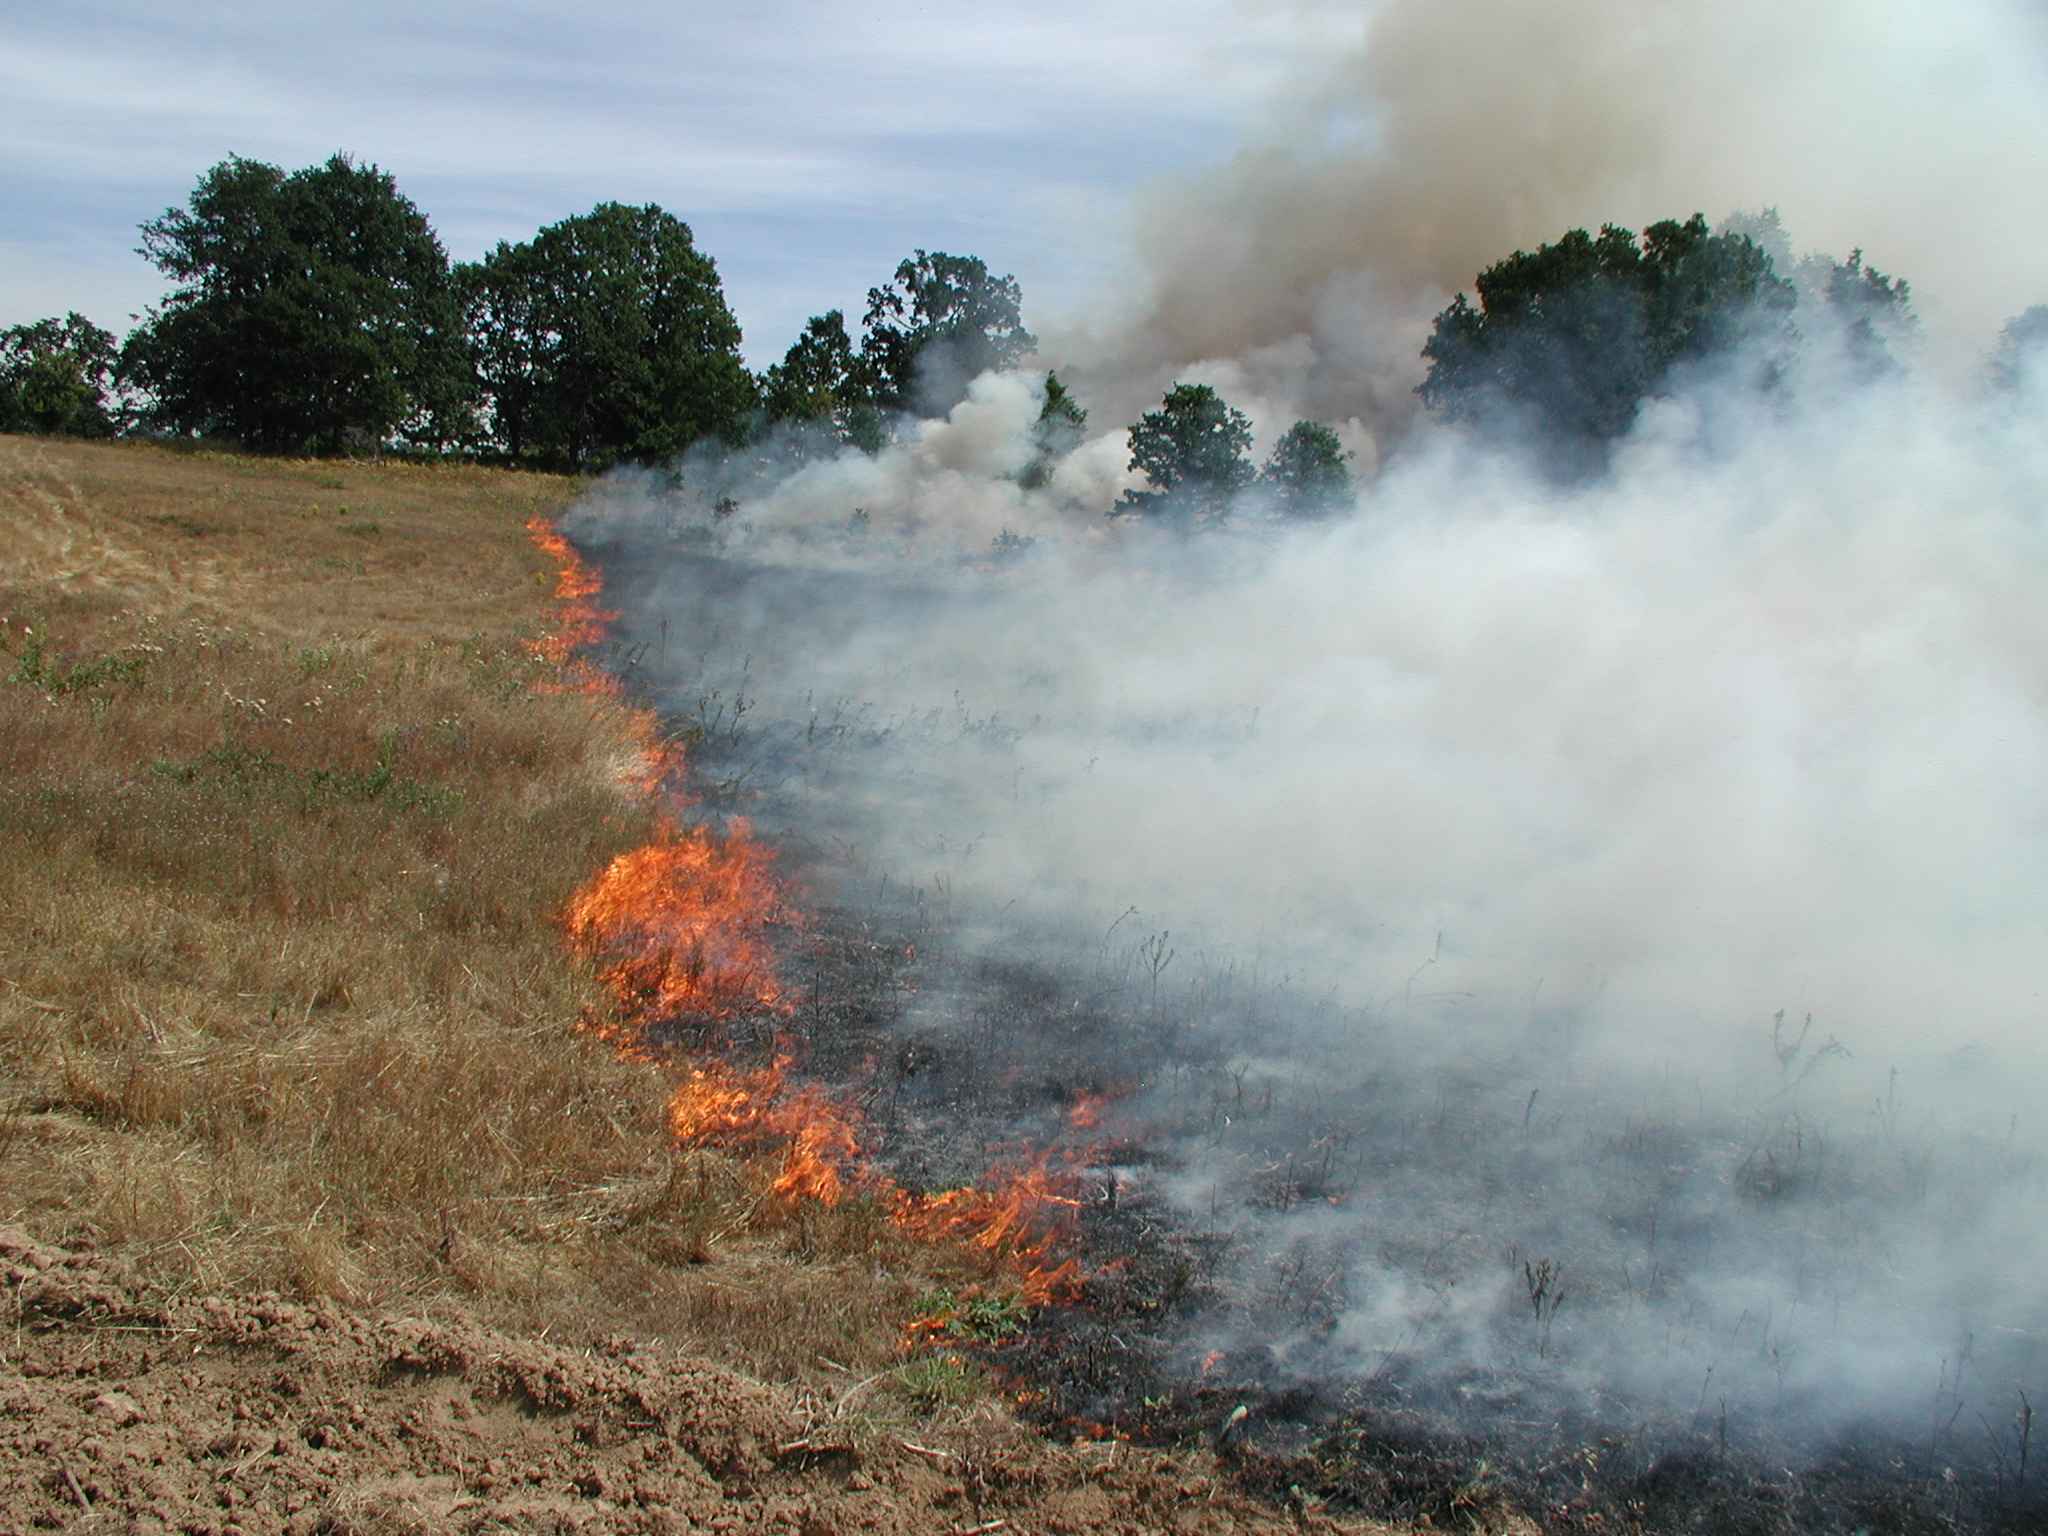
[(1303, 272)]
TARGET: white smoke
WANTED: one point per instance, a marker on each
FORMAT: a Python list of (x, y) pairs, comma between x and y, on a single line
[(1719, 734), (1588, 783), (1537, 790)]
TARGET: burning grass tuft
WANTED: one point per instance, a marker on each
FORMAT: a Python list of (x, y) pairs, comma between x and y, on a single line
[(678, 928)]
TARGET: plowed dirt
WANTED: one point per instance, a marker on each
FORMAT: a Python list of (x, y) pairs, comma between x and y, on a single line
[(122, 1410)]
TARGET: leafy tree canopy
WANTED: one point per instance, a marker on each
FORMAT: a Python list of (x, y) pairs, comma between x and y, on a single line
[(1874, 313), (1060, 415), (504, 301), (312, 313), (56, 377), (2020, 359), (1841, 303), (606, 337), (1571, 337), (1808, 273), (821, 379), (1057, 432), (936, 325), (818, 376), (1308, 472), (1194, 450)]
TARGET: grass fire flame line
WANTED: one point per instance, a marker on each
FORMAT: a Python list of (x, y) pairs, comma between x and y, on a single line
[(679, 927)]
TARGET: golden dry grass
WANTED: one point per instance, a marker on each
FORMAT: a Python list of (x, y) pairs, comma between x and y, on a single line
[(285, 827)]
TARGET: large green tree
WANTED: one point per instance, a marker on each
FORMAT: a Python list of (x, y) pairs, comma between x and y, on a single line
[(57, 376), (2020, 360), (309, 313), (822, 381), (1062, 420), (1874, 313), (818, 376), (1308, 473), (1194, 453), (504, 304), (606, 337), (1808, 273), (937, 324), (1568, 339)]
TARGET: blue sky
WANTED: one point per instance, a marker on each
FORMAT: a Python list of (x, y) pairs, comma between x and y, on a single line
[(809, 145)]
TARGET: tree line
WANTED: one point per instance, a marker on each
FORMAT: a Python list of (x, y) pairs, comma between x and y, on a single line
[(1568, 341), (316, 312)]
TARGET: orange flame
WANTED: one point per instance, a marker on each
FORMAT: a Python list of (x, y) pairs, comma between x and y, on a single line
[(920, 1331), (579, 621), (678, 924), (719, 1106), (1022, 1221), (678, 927), (1086, 1113)]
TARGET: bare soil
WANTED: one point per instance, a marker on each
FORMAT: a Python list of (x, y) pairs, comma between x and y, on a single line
[(128, 1409)]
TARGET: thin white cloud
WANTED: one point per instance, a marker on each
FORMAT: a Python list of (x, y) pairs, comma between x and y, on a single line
[(798, 138)]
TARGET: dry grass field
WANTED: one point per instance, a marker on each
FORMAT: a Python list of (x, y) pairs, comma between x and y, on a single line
[(287, 820)]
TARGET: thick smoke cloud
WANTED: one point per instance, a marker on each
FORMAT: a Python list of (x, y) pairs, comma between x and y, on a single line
[(1719, 734), (1455, 131), (1484, 846), (1525, 796)]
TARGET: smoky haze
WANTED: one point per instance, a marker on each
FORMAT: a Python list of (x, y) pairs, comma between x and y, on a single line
[(1539, 806), (1642, 877)]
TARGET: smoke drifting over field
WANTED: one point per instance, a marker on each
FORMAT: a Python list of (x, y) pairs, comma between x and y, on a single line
[(1721, 735), (1461, 872), (1512, 818)]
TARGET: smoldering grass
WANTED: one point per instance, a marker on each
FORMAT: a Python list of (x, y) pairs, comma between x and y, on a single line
[(1543, 1279)]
